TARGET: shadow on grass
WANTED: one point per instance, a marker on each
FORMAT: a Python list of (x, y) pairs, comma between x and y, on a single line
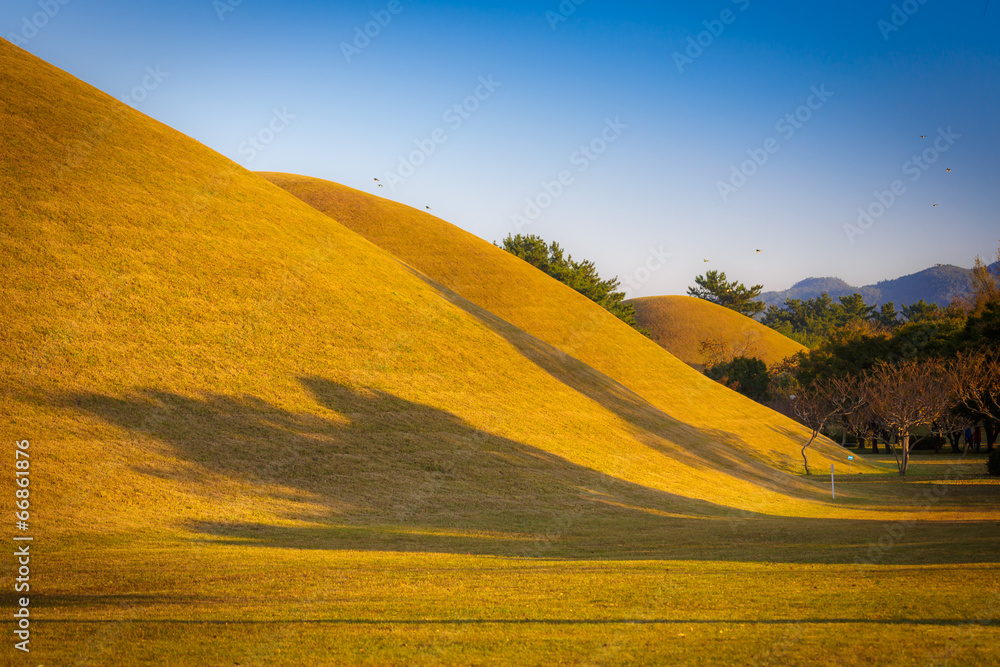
[(711, 450), (393, 475)]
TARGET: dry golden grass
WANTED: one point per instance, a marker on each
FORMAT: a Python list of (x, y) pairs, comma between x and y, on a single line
[(682, 323), (187, 343), (657, 392), (247, 421)]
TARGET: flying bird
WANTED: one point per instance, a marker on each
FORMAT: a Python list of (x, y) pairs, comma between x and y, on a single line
[(948, 170), (380, 185), (923, 136), (376, 180), (935, 204), (706, 261), (428, 207), (759, 251)]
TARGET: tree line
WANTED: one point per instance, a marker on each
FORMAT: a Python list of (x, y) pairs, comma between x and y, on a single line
[(580, 275), (878, 374)]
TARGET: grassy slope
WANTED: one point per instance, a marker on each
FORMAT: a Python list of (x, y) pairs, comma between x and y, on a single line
[(242, 412), (554, 313), (181, 334), (681, 323)]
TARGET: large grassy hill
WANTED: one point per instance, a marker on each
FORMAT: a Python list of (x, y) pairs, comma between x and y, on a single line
[(191, 345), (660, 394), (682, 323), (257, 437)]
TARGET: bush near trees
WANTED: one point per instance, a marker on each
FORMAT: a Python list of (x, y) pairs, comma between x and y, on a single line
[(581, 276), (746, 375)]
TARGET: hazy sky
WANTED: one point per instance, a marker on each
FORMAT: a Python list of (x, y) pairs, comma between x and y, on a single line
[(640, 135)]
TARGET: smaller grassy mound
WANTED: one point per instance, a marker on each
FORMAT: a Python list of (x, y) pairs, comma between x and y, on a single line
[(681, 323)]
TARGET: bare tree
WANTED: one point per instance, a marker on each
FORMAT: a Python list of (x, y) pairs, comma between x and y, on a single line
[(977, 382), (715, 351), (908, 395), (823, 400), (861, 422)]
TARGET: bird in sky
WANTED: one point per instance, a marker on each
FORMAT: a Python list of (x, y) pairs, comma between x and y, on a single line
[(706, 261), (759, 251), (935, 204), (380, 185), (376, 180), (923, 136), (428, 207), (948, 170)]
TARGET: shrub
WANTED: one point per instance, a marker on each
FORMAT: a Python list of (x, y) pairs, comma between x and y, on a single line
[(745, 375)]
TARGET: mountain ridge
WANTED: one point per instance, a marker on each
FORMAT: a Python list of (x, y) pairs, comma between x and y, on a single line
[(938, 284)]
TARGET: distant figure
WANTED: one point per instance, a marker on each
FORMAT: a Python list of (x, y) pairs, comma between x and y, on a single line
[(968, 435), (977, 439)]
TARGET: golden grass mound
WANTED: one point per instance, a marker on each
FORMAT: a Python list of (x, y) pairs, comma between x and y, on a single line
[(682, 323), (190, 348), (653, 390)]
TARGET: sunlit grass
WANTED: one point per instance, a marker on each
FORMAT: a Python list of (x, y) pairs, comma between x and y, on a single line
[(682, 323), (258, 438)]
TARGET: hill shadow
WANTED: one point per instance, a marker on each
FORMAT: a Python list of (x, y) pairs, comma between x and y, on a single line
[(715, 449), (385, 474)]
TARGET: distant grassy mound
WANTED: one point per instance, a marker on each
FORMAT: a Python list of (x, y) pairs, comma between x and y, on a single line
[(657, 392), (682, 323)]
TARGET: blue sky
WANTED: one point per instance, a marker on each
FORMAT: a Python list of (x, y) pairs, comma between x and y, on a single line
[(611, 127)]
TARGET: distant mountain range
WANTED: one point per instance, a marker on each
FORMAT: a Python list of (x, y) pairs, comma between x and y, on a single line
[(940, 284)]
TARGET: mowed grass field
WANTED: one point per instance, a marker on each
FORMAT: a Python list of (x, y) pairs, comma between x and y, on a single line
[(682, 323), (259, 438)]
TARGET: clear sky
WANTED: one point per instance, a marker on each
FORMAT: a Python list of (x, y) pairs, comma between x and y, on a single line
[(612, 127)]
